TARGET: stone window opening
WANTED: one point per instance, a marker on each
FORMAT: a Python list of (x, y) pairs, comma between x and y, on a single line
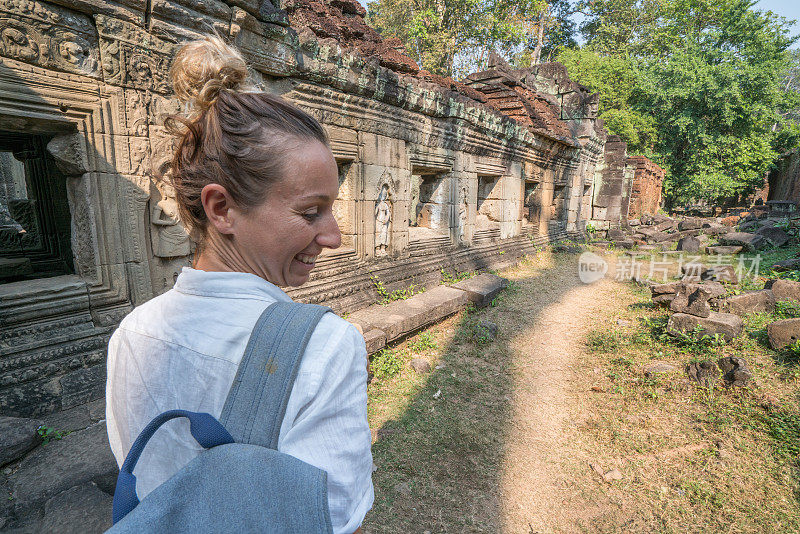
[(34, 211), (531, 204), (427, 217), (490, 205), (343, 208), (557, 209)]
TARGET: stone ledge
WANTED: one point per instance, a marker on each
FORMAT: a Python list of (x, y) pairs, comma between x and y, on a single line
[(482, 289), (404, 316)]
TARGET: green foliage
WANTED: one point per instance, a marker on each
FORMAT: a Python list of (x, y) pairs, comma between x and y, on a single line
[(458, 276), (387, 296), (423, 342), (603, 341), (454, 38), (386, 363), (49, 434), (706, 88), (787, 309)]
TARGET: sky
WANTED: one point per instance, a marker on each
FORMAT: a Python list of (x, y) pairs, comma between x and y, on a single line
[(785, 8)]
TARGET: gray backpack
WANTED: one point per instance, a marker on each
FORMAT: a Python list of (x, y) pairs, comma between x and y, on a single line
[(240, 483)]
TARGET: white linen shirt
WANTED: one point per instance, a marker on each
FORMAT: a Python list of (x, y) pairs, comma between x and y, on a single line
[(181, 350)]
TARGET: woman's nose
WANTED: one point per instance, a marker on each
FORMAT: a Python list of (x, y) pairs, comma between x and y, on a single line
[(331, 236)]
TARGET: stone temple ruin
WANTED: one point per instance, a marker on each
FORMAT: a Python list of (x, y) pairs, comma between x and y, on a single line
[(435, 174)]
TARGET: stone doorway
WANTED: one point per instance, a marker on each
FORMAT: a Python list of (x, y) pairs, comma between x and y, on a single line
[(489, 208), (34, 211)]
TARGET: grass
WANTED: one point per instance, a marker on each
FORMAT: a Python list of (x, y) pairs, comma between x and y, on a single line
[(693, 459)]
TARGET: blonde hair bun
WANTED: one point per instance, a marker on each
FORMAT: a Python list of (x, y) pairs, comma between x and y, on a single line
[(203, 68)]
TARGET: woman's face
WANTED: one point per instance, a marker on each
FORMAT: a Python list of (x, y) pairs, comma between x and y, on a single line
[(281, 239)]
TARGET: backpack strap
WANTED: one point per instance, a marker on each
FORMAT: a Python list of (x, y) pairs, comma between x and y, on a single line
[(256, 403)]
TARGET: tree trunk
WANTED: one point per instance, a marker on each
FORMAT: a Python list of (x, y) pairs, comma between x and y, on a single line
[(537, 52)]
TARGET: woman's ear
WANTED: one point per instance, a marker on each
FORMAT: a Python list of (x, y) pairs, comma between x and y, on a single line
[(218, 206)]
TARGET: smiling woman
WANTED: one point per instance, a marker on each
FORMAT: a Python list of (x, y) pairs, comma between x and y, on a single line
[(255, 182)]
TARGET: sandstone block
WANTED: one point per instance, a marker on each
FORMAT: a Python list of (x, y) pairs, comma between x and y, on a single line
[(76, 459), (482, 289), (735, 371), (749, 241), (785, 289), (726, 324), (689, 244), (783, 333), (17, 436), (375, 339), (720, 273), (81, 509), (750, 302), (704, 373), (775, 236), (692, 299), (724, 250), (690, 224), (404, 316)]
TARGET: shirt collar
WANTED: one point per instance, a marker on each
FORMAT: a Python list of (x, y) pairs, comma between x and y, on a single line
[(227, 284)]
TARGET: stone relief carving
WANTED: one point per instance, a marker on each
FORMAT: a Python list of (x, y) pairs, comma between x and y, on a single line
[(170, 239), (462, 211), (383, 220), (52, 37), (131, 57)]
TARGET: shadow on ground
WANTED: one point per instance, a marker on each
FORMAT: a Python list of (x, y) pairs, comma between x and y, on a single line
[(440, 463)]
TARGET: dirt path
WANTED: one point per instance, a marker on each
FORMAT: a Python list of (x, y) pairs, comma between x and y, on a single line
[(540, 486), (488, 442)]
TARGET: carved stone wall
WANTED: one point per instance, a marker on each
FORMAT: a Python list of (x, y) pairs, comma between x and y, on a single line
[(509, 160), (648, 180), (784, 180)]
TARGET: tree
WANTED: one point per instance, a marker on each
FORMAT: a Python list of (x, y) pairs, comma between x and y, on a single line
[(709, 75), (452, 37)]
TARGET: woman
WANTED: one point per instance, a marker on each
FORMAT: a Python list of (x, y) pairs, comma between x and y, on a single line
[(255, 182)]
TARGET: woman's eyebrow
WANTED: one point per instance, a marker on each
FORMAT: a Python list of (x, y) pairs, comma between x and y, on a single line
[(316, 197)]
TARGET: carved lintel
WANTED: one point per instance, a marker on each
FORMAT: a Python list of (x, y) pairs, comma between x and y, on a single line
[(68, 153)]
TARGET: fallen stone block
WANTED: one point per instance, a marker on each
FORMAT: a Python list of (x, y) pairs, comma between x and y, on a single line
[(692, 299), (784, 290), (750, 302), (17, 436), (735, 371), (775, 236), (689, 244), (615, 234), (658, 368), (634, 222), (666, 225), (720, 273), (704, 373), (420, 366), (726, 324), (664, 299), (787, 265), (690, 224), (716, 229), (404, 316), (783, 333), (75, 459), (627, 244), (661, 289), (83, 509), (482, 289), (749, 241), (725, 250)]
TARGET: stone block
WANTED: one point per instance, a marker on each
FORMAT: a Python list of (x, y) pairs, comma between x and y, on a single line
[(663, 289), (82, 509), (690, 224), (787, 265), (15, 267), (689, 244), (783, 333), (720, 273), (375, 340), (784, 290), (692, 299), (724, 250), (17, 436), (75, 459), (735, 371), (750, 302), (482, 289), (727, 324), (775, 236), (404, 316), (83, 385), (749, 241)]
